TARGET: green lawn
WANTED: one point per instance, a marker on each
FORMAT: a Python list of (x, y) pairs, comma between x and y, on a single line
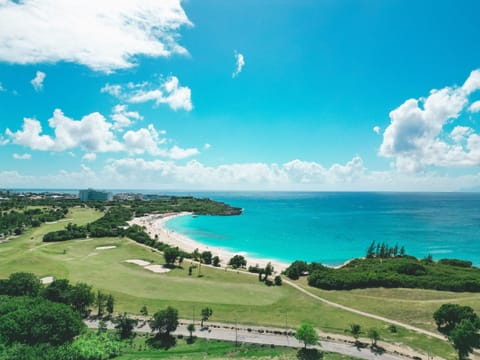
[(412, 306), (232, 296)]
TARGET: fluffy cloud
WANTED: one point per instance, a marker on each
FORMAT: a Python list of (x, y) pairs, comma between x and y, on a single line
[(104, 36), (207, 146), (475, 107), (92, 133), (89, 157), (239, 63), (416, 135), (22, 157), (247, 175), (37, 81), (376, 129), (169, 92), (123, 118)]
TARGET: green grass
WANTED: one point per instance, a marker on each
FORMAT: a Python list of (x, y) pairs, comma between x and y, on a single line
[(232, 296), (212, 349), (411, 306)]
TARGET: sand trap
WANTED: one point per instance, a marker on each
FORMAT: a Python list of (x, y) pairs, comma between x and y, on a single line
[(157, 268), (138, 262), (92, 254), (46, 280), (105, 247)]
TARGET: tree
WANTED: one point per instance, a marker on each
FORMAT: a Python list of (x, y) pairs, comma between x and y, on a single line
[(296, 269), (102, 326), (100, 301), (268, 271), (206, 257), (307, 334), (81, 296), (371, 250), (33, 321), (206, 313), (449, 315), (58, 290), (355, 330), (278, 280), (237, 261), (191, 329), (464, 337), (374, 336), (23, 284), (110, 304), (170, 254), (125, 326), (164, 321), (144, 311), (216, 261)]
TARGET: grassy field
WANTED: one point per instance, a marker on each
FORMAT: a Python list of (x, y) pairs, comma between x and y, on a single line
[(412, 306), (232, 296), (202, 349)]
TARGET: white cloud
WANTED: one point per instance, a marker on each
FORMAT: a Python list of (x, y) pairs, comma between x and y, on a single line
[(92, 133), (239, 63), (2, 88), (22, 157), (104, 36), (376, 129), (416, 136), (113, 90), (475, 107), (472, 83), (169, 92), (145, 140), (89, 157), (178, 153), (123, 118), (37, 81), (207, 146)]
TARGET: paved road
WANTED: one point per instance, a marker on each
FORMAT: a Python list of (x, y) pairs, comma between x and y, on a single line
[(242, 335)]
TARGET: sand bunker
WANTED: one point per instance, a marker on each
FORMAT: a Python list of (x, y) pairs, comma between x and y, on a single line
[(105, 247), (46, 280), (138, 262), (157, 268)]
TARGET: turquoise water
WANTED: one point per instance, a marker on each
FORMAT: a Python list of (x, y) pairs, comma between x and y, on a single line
[(334, 227)]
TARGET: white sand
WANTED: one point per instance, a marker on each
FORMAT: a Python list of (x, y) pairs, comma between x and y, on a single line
[(155, 225), (138, 262), (105, 247), (157, 268), (46, 280)]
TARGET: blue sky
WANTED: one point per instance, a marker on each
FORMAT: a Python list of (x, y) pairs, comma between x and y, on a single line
[(240, 95)]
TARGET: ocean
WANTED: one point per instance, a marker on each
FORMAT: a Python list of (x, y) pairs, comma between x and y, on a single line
[(332, 228)]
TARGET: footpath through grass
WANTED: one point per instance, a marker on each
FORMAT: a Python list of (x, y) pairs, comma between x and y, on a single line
[(232, 296)]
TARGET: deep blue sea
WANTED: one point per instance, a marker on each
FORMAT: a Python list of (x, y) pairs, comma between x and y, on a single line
[(334, 227)]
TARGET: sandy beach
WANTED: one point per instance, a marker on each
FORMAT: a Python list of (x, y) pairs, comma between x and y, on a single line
[(155, 225)]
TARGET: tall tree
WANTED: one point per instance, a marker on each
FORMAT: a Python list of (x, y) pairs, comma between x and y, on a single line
[(307, 334), (374, 336), (170, 254), (355, 330), (206, 313), (464, 337), (125, 326), (110, 304), (23, 284), (81, 296), (100, 301), (164, 321)]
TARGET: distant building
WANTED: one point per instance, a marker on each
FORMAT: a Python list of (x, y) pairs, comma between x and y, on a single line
[(95, 195)]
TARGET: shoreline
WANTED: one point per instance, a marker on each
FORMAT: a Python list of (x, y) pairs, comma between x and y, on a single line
[(155, 226)]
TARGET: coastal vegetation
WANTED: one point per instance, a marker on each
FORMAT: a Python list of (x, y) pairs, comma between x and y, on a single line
[(386, 267)]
